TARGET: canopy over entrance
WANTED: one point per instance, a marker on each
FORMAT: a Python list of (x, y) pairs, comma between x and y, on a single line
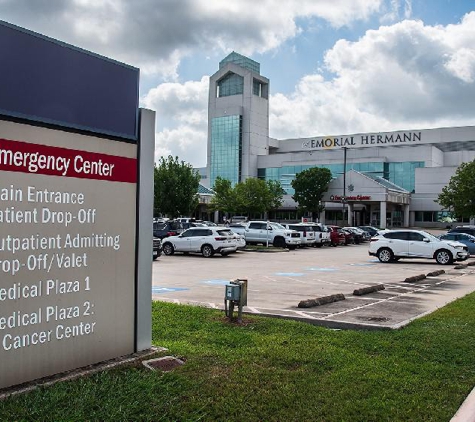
[(368, 199)]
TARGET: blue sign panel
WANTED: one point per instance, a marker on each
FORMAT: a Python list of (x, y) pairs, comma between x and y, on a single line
[(47, 81)]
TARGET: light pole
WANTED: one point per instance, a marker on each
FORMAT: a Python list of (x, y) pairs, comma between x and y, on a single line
[(343, 199)]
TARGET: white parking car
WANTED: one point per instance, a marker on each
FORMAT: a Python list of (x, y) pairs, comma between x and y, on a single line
[(396, 244), (204, 240), (306, 233), (322, 234)]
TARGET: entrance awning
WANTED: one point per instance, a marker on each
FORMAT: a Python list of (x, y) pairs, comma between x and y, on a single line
[(364, 188)]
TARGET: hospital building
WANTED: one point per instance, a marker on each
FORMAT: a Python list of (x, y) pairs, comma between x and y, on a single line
[(386, 179)]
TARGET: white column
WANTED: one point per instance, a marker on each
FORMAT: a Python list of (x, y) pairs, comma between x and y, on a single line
[(382, 214), (406, 216), (322, 217), (350, 214), (143, 295)]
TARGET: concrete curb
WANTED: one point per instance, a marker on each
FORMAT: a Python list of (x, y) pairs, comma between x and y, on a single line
[(309, 303), (435, 273), (370, 289), (466, 412), (415, 278)]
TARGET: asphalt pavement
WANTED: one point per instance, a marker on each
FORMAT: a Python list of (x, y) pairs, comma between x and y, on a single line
[(279, 281)]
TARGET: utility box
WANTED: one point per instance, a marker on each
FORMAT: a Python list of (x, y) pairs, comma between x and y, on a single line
[(235, 295), (233, 292)]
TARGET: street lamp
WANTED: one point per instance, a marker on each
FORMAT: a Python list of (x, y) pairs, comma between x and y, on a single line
[(343, 199)]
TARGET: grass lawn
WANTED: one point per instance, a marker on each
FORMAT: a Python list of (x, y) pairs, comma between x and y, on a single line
[(277, 370)]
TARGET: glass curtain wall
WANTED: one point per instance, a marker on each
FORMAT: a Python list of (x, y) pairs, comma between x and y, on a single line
[(401, 174), (226, 148)]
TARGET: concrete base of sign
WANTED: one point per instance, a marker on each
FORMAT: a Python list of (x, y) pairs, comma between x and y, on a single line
[(79, 372)]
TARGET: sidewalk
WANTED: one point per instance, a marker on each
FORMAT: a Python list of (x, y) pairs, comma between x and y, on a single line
[(466, 412)]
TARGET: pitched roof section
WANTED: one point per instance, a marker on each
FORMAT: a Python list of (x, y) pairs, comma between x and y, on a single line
[(202, 190), (242, 61), (385, 183)]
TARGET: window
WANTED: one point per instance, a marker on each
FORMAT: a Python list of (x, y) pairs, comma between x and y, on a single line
[(417, 237), (230, 84), (397, 235)]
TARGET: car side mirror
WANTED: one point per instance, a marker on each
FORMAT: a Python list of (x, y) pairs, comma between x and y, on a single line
[(426, 240)]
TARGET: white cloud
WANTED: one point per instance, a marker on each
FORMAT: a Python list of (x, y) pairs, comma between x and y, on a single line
[(156, 35), (185, 142), (186, 103), (403, 76), (393, 13), (182, 118)]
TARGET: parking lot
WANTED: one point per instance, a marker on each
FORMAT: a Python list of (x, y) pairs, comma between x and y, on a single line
[(278, 281)]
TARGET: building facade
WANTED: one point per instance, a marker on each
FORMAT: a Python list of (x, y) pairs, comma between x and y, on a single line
[(384, 178)]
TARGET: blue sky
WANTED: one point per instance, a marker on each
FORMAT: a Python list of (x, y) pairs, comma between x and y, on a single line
[(335, 66)]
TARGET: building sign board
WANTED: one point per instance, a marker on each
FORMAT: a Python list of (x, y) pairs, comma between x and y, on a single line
[(67, 254), (363, 140), (339, 198)]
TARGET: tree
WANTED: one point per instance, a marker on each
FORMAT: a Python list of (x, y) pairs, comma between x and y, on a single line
[(309, 186), (176, 187), (459, 195), (252, 196), (224, 198), (276, 194)]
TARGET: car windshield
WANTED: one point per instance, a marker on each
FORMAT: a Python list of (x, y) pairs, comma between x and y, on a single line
[(277, 226), (431, 237)]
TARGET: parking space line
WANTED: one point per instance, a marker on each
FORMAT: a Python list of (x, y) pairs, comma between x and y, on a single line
[(253, 310), (304, 314)]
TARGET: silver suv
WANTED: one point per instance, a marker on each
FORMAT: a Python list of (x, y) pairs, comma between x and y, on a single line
[(395, 244)]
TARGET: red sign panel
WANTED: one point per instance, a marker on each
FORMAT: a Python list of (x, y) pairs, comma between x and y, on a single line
[(56, 161)]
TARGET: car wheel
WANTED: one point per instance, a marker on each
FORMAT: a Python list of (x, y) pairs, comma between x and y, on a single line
[(155, 258), (168, 249), (279, 242), (224, 253), (385, 255), (444, 257), (207, 251), (318, 245)]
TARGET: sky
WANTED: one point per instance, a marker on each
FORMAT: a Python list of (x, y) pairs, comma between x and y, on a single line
[(336, 67)]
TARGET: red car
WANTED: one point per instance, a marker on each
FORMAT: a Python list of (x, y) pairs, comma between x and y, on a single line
[(337, 237)]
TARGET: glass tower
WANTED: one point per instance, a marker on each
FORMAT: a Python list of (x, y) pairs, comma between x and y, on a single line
[(238, 119)]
